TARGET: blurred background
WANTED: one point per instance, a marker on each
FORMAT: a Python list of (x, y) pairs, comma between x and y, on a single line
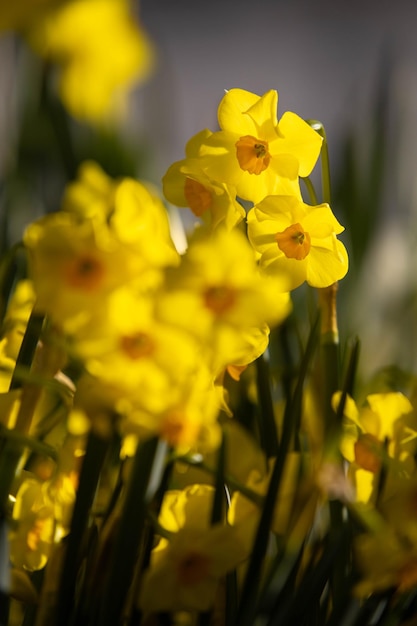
[(350, 64)]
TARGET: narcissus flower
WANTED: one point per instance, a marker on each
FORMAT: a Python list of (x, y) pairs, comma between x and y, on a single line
[(187, 419), (108, 235), (298, 241), (186, 184), (66, 253), (378, 433), (185, 572), (218, 294), (130, 210), (78, 35), (129, 349), (255, 153)]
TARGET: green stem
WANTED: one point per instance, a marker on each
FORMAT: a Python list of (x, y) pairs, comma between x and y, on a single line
[(325, 163), (310, 190)]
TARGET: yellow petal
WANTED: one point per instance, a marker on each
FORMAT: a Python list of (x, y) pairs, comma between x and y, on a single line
[(300, 140)]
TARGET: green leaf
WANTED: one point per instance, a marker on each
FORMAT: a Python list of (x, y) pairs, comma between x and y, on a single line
[(249, 592), (144, 480)]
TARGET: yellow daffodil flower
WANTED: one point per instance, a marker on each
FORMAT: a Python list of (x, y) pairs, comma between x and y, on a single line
[(298, 241), (77, 36), (130, 210), (188, 419), (185, 572), (218, 294), (132, 351), (66, 253), (125, 240), (378, 433), (255, 153), (185, 184)]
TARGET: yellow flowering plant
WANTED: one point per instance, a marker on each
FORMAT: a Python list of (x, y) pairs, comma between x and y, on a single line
[(179, 442)]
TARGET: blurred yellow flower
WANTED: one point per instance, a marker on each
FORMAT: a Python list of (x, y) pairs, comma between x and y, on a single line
[(108, 235), (378, 433), (298, 241), (185, 184), (31, 540), (129, 349), (187, 419), (86, 267), (219, 295), (101, 51), (128, 209), (186, 571), (255, 153)]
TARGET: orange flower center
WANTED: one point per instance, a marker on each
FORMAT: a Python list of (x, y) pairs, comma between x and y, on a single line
[(368, 453), (219, 299), (137, 346), (193, 568), (252, 154), (85, 272), (294, 242), (198, 197)]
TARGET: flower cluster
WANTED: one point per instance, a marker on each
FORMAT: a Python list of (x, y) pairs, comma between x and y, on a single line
[(260, 160), (198, 498), (177, 444), (151, 337)]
